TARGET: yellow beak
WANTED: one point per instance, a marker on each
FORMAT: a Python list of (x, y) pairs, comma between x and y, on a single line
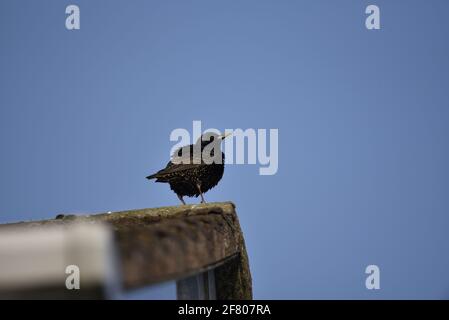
[(223, 136)]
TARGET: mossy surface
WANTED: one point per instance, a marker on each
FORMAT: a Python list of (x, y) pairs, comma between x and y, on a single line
[(170, 243)]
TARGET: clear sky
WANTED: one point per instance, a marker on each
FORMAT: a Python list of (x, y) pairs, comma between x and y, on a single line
[(363, 119)]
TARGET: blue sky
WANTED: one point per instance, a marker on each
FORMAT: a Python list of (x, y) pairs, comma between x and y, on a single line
[(362, 115)]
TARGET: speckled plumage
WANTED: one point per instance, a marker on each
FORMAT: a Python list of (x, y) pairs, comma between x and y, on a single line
[(190, 178)]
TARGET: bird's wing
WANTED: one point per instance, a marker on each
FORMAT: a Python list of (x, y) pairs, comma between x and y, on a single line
[(172, 172), (174, 168), (183, 159)]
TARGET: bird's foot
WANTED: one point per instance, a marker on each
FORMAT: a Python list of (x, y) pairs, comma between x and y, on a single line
[(182, 200), (201, 193)]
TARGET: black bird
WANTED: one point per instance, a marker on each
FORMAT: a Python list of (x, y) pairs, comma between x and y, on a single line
[(194, 169)]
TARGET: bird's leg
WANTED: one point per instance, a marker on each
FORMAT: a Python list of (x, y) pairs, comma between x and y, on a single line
[(180, 198), (201, 193)]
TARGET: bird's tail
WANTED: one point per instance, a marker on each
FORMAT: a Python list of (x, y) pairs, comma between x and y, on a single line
[(153, 176)]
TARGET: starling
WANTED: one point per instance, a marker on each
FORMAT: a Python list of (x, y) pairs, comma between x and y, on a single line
[(194, 169)]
